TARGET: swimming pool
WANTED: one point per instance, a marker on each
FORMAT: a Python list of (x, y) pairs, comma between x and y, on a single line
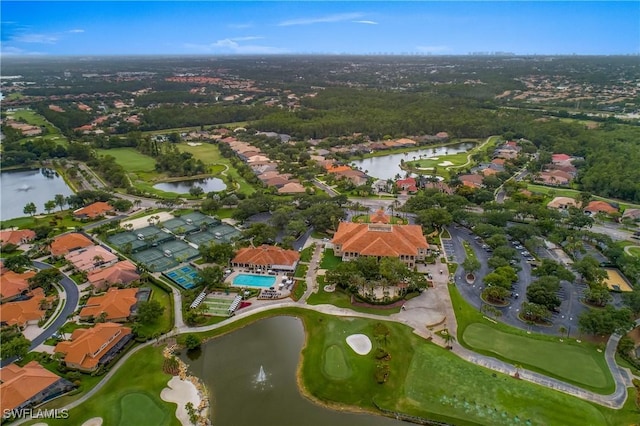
[(248, 280)]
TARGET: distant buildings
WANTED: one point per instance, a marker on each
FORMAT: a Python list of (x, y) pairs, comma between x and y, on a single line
[(266, 257)]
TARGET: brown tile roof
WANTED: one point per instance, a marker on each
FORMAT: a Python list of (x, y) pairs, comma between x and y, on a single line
[(291, 188), (562, 203), (266, 255), (21, 312), (122, 272), (380, 240), (86, 346), (379, 217), (474, 181), (12, 284), (16, 237), (20, 384), (96, 209), (600, 206), (68, 242), (116, 303), (90, 258), (335, 169)]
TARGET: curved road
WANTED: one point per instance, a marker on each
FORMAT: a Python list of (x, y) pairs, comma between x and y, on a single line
[(70, 305)]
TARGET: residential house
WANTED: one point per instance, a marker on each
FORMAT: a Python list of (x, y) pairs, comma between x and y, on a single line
[(408, 184), (65, 243), (266, 257), (90, 348), (90, 258), (633, 214), (404, 242), (561, 159), (116, 304), (381, 185), (562, 203), (356, 177), (93, 210), (595, 207), (16, 237), (292, 188), (13, 285), (123, 272), (28, 386), (554, 178), (473, 181), (23, 312)]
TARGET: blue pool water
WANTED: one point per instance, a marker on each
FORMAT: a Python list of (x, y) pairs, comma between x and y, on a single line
[(263, 281)]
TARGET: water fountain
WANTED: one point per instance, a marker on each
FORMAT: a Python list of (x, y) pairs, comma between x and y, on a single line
[(262, 376)]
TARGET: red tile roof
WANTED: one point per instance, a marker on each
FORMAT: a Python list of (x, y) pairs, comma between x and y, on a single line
[(266, 255), (19, 384), (16, 237), (379, 217), (65, 243), (380, 240), (13, 284), (88, 345), (122, 272), (335, 169), (560, 157), (94, 210), (600, 206), (19, 313), (116, 303)]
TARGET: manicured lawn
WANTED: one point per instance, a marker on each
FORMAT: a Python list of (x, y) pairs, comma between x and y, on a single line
[(130, 158), (298, 289), (335, 364), (430, 382), (165, 322), (512, 345), (573, 193), (342, 299), (635, 251), (35, 119), (305, 254), (136, 386), (329, 260), (586, 367), (30, 221)]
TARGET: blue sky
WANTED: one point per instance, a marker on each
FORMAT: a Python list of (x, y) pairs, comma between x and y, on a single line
[(331, 27)]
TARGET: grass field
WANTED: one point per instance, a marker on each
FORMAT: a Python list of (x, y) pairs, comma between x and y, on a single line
[(35, 119), (130, 158), (430, 382), (635, 251), (335, 364), (329, 260), (136, 386), (573, 193), (165, 322), (343, 300), (543, 346), (586, 367)]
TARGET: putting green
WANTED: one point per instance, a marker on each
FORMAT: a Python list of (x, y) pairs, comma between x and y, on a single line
[(139, 409), (574, 363), (335, 363)]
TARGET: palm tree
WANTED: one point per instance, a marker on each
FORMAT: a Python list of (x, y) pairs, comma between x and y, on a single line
[(562, 329), (448, 338)]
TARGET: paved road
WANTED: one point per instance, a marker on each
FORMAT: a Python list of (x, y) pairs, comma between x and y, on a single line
[(70, 305)]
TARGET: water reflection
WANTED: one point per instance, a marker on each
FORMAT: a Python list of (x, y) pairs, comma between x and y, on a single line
[(183, 186)]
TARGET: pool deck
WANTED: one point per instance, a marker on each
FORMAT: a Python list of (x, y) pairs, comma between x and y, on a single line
[(284, 291)]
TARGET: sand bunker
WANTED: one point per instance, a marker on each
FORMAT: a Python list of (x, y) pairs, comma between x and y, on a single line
[(181, 392), (141, 222), (360, 343), (95, 421), (194, 143), (445, 163)]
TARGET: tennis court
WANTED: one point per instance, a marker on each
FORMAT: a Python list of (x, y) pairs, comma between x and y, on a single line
[(121, 240), (616, 281), (155, 260), (179, 250), (179, 226), (202, 237), (153, 234), (224, 232), (185, 276), (199, 219)]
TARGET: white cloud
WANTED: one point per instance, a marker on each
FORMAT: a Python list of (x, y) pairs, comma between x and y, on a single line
[(76, 30), (37, 38), (433, 49), (11, 50), (240, 26), (233, 45), (365, 22), (323, 19)]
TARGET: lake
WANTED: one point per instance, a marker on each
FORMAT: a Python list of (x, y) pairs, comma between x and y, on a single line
[(251, 374), (183, 186), (21, 187), (386, 167)]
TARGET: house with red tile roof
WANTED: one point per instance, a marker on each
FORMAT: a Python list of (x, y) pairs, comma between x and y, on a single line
[(331, 168), (598, 206), (123, 272), (562, 203), (292, 188), (23, 312), (560, 158), (65, 243), (93, 210), (13, 284), (90, 348), (473, 181), (379, 217), (17, 237), (28, 386), (354, 176), (91, 258), (266, 257), (404, 242), (408, 184), (117, 305)]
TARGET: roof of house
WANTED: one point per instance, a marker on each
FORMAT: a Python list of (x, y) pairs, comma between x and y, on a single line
[(96, 209), (291, 188), (499, 161), (560, 157), (266, 255), (600, 206), (12, 283), (562, 202), (471, 180), (20, 384), (121, 272), (379, 217), (86, 345), (335, 169), (65, 243), (90, 257), (380, 240), (489, 171), (18, 313), (16, 237), (116, 303), (632, 213)]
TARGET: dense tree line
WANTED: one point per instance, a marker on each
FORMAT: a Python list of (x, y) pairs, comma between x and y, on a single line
[(66, 121), (167, 117)]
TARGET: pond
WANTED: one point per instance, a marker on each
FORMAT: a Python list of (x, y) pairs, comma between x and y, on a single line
[(18, 188), (386, 167), (183, 186), (251, 374)]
